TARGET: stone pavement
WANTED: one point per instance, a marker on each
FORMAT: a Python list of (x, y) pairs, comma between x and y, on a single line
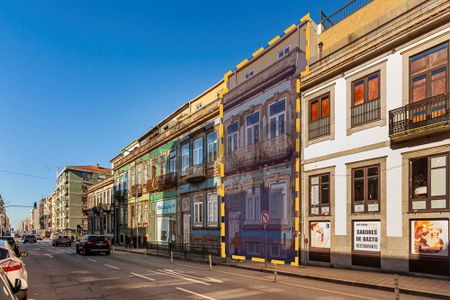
[(415, 285)]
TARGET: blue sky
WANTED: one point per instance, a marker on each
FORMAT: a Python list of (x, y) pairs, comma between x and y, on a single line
[(81, 79)]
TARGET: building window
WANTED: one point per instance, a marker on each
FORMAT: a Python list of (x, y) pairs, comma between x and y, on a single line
[(278, 202), (212, 147), (198, 106), (366, 189), (249, 74), (145, 172), (366, 104), (173, 162), (184, 158), (284, 52), (232, 137), (253, 128), (139, 174), (198, 210), (162, 166), (198, 152), (319, 116), (429, 73), (319, 194), (117, 183), (428, 183), (212, 205), (277, 119), (253, 204), (122, 182), (145, 213), (126, 181)]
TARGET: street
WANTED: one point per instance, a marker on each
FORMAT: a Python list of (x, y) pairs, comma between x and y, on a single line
[(59, 273)]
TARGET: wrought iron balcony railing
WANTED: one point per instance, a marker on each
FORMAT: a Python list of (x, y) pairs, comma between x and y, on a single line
[(120, 194), (419, 116), (152, 185), (196, 173), (341, 13), (319, 128), (366, 112), (136, 190), (168, 180)]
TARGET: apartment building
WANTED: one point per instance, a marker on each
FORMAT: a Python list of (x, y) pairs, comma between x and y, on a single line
[(100, 209), (261, 149), (45, 217), (70, 202), (167, 179), (375, 139)]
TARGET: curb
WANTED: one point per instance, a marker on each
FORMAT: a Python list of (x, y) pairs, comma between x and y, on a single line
[(342, 281)]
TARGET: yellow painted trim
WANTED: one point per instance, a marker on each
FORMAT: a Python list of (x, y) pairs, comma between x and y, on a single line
[(225, 90), (297, 105), (221, 128), (257, 259), (304, 73), (297, 224), (274, 40), (221, 190), (307, 36), (297, 204), (221, 149), (257, 52), (238, 257), (227, 75), (290, 28), (221, 113), (242, 63), (297, 125), (297, 145), (277, 262), (295, 263), (222, 169), (222, 250), (222, 209), (297, 165), (297, 186), (222, 229), (305, 18), (297, 85), (296, 243)]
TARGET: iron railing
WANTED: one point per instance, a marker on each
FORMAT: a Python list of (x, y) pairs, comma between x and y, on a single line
[(168, 180), (366, 112), (195, 173), (152, 185), (319, 128), (341, 13), (120, 194), (430, 111), (135, 190)]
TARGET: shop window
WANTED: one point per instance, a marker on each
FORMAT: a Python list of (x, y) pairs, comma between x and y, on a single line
[(366, 189), (429, 183), (319, 194)]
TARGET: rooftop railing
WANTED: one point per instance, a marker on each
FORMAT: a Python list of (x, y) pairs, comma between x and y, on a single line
[(341, 13)]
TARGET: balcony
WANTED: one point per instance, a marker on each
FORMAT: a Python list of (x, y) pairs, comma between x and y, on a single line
[(120, 195), (418, 119), (265, 152), (319, 128), (366, 112), (195, 173), (168, 180), (136, 190), (152, 185)]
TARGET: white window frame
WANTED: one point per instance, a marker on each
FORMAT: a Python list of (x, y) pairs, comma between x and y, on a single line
[(211, 145), (253, 205), (139, 174), (232, 139), (277, 119), (198, 210), (281, 216), (185, 156), (197, 158), (249, 74), (213, 209), (284, 52), (173, 161), (252, 128)]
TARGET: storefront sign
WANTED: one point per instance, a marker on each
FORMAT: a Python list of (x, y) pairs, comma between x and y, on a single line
[(320, 234), (429, 237), (366, 236), (166, 207)]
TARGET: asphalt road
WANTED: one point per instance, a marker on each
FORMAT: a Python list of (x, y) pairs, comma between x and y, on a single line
[(59, 273)]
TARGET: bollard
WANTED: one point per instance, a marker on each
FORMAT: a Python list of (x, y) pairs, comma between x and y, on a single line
[(396, 287), (171, 257), (275, 273), (210, 262)]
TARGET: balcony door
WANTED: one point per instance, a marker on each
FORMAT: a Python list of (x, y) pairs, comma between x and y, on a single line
[(277, 119)]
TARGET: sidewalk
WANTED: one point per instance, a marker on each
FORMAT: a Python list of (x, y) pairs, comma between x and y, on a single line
[(421, 286)]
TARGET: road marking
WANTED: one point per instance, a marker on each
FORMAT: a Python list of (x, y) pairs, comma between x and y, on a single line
[(68, 252), (170, 273), (210, 279), (142, 276), (78, 255), (93, 260), (195, 294), (49, 255), (112, 267)]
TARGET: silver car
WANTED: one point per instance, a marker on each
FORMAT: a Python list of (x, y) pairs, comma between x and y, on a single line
[(14, 268)]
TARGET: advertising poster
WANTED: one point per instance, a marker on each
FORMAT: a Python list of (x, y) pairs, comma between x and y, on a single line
[(320, 235), (429, 237), (366, 236)]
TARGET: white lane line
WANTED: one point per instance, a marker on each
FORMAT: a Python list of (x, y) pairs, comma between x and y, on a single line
[(78, 255), (112, 267), (49, 255), (195, 294), (179, 276), (93, 260), (142, 276), (68, 252)]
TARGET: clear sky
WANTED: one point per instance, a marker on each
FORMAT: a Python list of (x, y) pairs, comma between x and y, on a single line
[(79, 80)]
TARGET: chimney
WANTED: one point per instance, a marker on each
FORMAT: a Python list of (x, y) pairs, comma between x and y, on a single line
[(98, 165)]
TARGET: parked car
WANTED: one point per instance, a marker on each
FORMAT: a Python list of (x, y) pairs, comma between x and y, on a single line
[(7, 290), (30, 238), (12, 242), (94, 243), (14, 268), (62, 240)]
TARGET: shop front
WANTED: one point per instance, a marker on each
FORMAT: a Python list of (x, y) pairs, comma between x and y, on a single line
[(165, 211)]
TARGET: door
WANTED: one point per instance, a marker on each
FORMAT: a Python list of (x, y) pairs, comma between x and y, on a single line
[(186, 228)]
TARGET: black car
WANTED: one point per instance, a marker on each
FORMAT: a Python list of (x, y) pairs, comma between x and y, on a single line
[(30, 238), (12, 242), (62, 240), (94, 243)]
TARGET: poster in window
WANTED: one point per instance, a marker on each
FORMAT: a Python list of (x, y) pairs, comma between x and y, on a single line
[(320, 235), (429, 237), (366, 236)]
